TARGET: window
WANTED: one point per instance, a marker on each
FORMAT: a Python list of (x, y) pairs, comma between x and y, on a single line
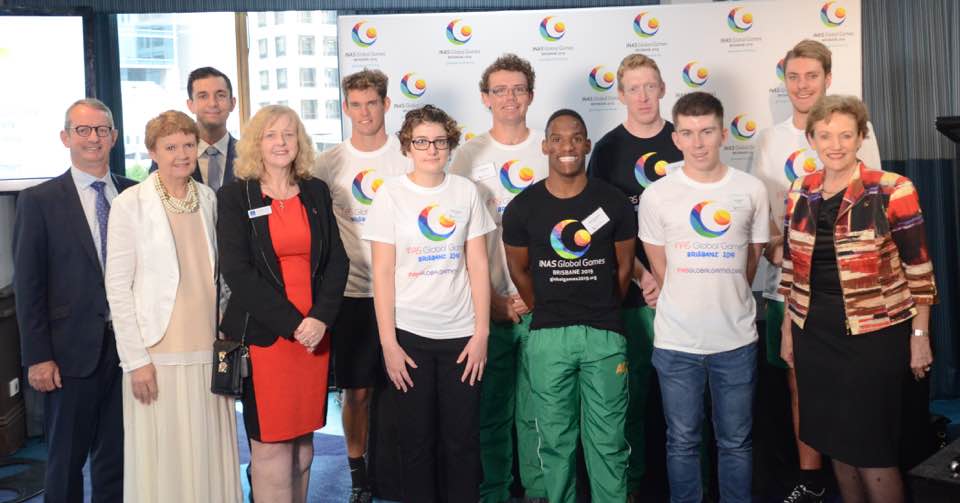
[(329, 46), (308, 77), (278, 18), (263, 104), (264, 79), (307, 45), (329, 17), (333, 109), (280, 46), (331, 77), (308, 109), (282, 102), (281, 78), (262, 43), (306, 17), (261, 19)]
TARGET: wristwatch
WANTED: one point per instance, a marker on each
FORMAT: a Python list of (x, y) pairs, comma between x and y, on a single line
[(919, 333)]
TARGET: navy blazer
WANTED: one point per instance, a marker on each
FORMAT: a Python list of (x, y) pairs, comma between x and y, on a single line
[(228, 168), (57, 278)]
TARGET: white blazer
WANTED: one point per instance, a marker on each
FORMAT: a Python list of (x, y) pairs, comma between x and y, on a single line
[(142, 270)]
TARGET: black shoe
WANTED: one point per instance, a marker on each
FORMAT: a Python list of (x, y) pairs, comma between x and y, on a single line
[(361, 495), (801, 494)]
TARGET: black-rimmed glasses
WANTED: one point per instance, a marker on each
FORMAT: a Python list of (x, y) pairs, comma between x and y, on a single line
[(423, 143), (84, 131)]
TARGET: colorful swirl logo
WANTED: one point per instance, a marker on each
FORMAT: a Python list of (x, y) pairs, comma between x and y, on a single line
[(738, 21), (645, 28), (552, 29), (781, 70), (743, 128), (696, 78), (581, 240), (365, 185), (600, 80), (363, 37), (709, 219), (832, 16), (459, 33), (412, 87), (447, 225), (800, 163), (645, 178), (515, 180)]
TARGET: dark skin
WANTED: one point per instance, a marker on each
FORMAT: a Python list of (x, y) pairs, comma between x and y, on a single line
[(566, 146)]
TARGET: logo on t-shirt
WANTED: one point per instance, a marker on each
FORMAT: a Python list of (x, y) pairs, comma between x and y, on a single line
[(647, 173), (709, 219), (365, 185), (515, 177), (801, 163), (429, 221), (577, 235)]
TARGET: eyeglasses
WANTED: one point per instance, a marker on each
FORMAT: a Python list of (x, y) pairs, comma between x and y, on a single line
[(516, 91), (102, 131), (423, 143), (647, 88)]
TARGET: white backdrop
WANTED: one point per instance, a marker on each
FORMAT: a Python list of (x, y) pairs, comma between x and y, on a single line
[(732, 50)]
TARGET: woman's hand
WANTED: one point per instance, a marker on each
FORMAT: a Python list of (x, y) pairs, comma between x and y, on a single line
[(786, 341), (310, 333), (921, 357), (475, 353), (144, 382), (396, 361)]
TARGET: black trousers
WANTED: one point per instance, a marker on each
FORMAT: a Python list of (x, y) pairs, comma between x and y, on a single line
[(85, 418), (438, 423)]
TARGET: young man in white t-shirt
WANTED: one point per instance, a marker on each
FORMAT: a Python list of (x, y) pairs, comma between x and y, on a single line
[(704, 228), (503, 162), (785, 155), (355, 170)]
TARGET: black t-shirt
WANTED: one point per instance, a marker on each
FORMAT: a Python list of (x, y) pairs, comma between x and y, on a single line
[(574, 270), (631, 164)]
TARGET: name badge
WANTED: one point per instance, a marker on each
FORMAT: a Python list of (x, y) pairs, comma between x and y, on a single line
[(739, 202), (259, 212), (483, 172), (596, 220), (457, 214)]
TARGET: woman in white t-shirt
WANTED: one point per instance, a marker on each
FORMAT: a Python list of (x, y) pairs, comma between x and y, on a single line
[(431, 290)]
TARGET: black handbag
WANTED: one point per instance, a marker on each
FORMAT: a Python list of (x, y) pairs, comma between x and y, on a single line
[(231, 364)]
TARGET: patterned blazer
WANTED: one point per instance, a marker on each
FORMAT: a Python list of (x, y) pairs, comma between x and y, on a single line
[(885, 270)]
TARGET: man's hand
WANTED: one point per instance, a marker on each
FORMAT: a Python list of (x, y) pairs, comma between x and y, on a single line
[(44, 376), (502, 308), (774, 251), (649, 287)]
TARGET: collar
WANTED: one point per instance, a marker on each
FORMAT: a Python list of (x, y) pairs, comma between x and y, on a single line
[(222, 145), (82, 179)]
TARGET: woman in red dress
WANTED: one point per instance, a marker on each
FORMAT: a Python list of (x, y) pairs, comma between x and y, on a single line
[(282, 259)]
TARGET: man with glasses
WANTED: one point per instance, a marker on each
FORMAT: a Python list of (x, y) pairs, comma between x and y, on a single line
[(354, 170), (210, 98), (632, 156), (503, 162), (67, 340)]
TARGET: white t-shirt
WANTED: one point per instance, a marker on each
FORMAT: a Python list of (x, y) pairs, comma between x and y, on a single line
[(429, 228), (705, 305), (354, 178), (500, 172), (783, 156)]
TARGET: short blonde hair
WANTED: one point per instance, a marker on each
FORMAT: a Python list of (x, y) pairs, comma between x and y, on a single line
[(811, 49), (166, 124), (249, 163), (827, 106), (634, 61)]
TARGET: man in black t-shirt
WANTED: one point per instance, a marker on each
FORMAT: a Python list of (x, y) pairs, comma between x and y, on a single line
[(632, 156), (569, 243)]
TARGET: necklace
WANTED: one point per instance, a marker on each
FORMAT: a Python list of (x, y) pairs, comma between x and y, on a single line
[(189, 204)]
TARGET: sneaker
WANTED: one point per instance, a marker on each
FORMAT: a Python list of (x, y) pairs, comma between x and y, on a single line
[(361, 495), (801, 494)]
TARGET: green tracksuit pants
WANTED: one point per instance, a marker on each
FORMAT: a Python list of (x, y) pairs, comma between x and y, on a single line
[(578, 376), (505, 403), (638, 322)]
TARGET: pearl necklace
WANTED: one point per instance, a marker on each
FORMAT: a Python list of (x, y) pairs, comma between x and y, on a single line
[(189, 204)]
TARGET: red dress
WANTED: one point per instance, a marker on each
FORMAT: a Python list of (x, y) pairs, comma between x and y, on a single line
[(290, 384)]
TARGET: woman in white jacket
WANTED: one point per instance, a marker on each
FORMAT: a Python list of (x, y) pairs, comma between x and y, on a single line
[(179, 438)]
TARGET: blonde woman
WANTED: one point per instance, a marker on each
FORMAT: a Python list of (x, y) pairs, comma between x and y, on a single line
[(180, 440), (282, 258)]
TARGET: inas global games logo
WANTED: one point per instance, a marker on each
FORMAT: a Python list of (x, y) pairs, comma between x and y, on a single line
[(572, 232)]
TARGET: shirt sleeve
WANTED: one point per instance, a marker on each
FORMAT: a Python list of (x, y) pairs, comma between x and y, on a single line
[(760, 233), (650, 227), (480, 221), (869, 152), (381, 217), (514, 233)]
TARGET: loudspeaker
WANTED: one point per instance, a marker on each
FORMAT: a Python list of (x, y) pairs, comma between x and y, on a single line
[(933, 481)]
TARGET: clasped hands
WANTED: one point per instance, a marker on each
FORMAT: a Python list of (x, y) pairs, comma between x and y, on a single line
[(310, 332)]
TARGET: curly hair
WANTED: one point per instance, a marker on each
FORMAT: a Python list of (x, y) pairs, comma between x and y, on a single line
[(166, 124), (828, 106), (365, 79), (249, 163), (427, 113), (508, 63)]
